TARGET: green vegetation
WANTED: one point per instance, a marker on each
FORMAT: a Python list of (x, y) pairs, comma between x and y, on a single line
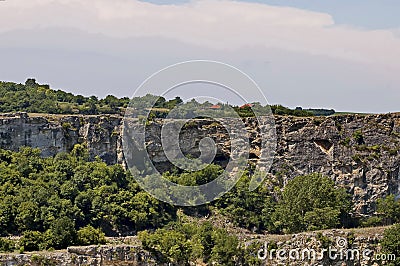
[(32, 97), (346, 142), (321, 112), (310, 203), (249, 209), (89, 235), (36, 98), (358, 137), (182, 243), (56, 202), (281, 110), (324, 240), (391, 243), (6, 245), (389, 209)]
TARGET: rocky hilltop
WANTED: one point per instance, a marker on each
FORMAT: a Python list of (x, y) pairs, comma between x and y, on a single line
[(330, 247), (358, 152)]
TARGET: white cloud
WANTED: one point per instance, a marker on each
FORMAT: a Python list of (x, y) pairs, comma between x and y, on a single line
[(298, 57), (226, 25)]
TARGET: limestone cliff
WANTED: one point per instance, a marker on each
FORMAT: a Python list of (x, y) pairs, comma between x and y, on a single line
[(360, 153)]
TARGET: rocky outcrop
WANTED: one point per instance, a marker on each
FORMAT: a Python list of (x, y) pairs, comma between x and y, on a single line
[(57, 133), (84, 256), (329, 247), (360, 153), (358, 247)]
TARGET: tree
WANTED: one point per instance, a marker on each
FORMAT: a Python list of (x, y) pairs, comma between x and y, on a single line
[(391, 243), (249, 209), (80, 152), (31, 240), (310, 203), (170, 245), (112, 101), (31, 82), (88, 235), (225, 249), (28, 216), (183, 243), (6, 245), (389, 207), (61, 234)]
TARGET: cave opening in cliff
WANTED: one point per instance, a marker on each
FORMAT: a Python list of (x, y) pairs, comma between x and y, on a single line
[(324, 144)]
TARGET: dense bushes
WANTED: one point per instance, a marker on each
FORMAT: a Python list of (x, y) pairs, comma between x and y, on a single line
[(36, 98), (309, 202), (62, 235), (391, 243), (281, 110), (89, 235), (32, 240), (56, 199), (249, 209), (32, 97), (388, 210), (6, 245), (182, 243), (56, 202)]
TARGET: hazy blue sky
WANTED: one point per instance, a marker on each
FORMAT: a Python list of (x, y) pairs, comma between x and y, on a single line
[(334, 54), (371, 14)]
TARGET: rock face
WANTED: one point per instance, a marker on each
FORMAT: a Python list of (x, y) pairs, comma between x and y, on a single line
[(360, 153), (84, 256), (54, 134), (329, 247)]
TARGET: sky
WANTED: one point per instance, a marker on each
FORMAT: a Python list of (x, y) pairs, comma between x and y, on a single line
[(336, 54)]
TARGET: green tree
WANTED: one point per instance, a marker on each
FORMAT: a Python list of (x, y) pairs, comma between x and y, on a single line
[(184, 242), (31, 82), (6, 245), (28, 216), (171, 245), (389, 207), (391, 243), (249, 209), (89, 235), (311, 202), (31, 241), (226, 248), (61, 234)]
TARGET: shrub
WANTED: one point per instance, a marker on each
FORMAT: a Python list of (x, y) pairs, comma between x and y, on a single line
[(225, 250), (89, 235), (184, 243), (391, 243), (389, 207), (31, 241), (358, 137), (6, 245), (372, 222), (324, 240), (61, 234)]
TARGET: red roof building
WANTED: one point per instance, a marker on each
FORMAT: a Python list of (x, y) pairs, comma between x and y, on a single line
[(215, 107), (246, 105)]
